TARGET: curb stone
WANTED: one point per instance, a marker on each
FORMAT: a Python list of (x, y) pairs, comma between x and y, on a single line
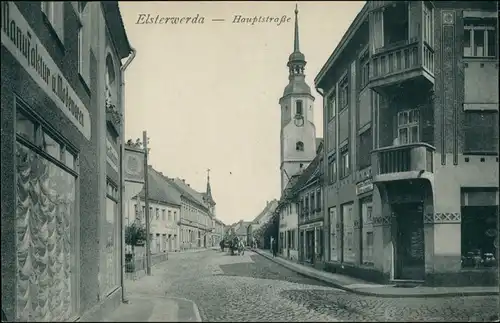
[(363, 293)]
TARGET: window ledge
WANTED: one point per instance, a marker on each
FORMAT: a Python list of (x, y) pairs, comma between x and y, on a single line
[(85, 84), (480, 153)]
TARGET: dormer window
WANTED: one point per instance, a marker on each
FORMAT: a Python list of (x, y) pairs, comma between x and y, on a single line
[(299, 146)]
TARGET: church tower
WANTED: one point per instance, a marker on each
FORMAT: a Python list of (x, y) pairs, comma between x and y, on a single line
[(208, 195), (298, 133)]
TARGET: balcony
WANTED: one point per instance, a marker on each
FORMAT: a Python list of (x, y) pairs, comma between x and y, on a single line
[(313, 215), (401, 36), (403, 162), (401, 62)]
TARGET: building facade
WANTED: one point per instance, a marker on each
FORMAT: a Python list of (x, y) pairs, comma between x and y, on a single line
[(257, 227), (218, 232), (288, 229), (196, 219), (309, 195), (164, 213), (62, 116), (412, 143)]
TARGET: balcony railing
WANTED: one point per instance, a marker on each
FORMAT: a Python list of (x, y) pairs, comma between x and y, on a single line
[(397, 62), (417, 157)]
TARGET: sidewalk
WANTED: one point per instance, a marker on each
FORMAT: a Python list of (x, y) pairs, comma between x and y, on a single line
[(147, 301), (361, 287)]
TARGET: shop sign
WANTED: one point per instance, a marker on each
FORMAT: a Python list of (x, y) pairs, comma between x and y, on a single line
[(311, 225), (133, 164), (112, 155), (24, 45), (364, 187)]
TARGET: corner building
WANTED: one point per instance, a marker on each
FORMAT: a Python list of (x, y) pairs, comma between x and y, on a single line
[(61, 132), (411, 119)]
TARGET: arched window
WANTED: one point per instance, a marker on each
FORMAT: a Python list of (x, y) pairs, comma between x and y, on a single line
[(298, 107), (299, 146), (110, 81)]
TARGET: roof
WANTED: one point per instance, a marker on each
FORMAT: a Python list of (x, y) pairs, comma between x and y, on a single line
[(358, 21), (188, 192), (270, 206), (311, 173), (319, 141), (297, 86), (242, 228), (116, 27), (159, 189)]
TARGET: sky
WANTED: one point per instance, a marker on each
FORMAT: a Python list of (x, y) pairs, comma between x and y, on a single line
[(207, 94)]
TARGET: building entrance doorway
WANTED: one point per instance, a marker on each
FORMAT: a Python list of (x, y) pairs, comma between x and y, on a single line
[(309, 246), (409, 251)]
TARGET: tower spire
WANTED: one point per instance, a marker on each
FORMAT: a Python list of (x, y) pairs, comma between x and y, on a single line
[(296, 48), (296, 60), (209, 189)]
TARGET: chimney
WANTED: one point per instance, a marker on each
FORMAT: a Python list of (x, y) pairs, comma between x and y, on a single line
[(189, 185), (183, 180)]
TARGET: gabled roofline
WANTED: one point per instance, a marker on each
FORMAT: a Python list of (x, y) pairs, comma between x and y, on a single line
[(358, 21)]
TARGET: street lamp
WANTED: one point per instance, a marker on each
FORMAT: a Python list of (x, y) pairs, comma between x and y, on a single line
[(298, 120)]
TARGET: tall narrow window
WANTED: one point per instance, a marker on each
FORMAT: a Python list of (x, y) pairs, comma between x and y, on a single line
[(344, 163), (365, 70), (332, 105), (299, 109), (344, 93), (332, 170), (408, 126)]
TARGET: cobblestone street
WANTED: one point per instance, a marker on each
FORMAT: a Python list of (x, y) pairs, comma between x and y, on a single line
[(252, 288)]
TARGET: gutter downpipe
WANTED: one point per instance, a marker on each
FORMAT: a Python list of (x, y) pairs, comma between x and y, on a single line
[(122, 181)]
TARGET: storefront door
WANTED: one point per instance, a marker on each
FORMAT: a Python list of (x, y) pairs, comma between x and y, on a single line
[(409, 246)]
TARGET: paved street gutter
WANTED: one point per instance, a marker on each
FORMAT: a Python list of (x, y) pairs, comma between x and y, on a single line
[(384, 291)]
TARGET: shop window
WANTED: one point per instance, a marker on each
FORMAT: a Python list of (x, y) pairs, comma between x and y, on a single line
[(479, 233), (109, 271), (25, 127), (367, 232), (47, 185), (333, 233)]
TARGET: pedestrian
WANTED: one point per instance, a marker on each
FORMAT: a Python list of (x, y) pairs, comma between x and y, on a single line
[(221, 245), (273, 247)]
